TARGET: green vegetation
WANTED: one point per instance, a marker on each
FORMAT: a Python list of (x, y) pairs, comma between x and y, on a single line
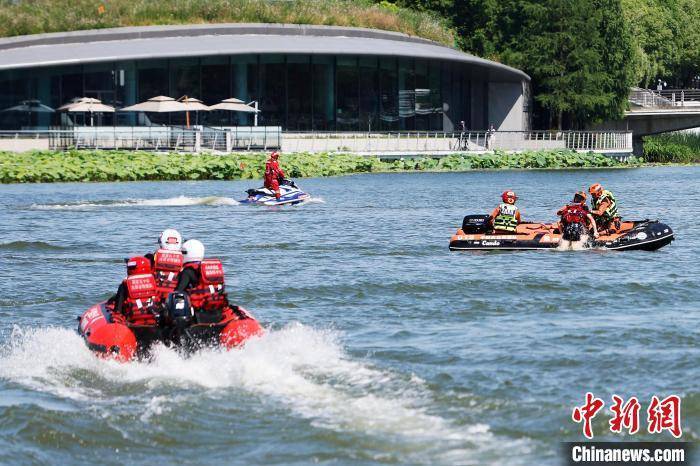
[(44, 167), (583, 55), (40, 16), (672, 148)]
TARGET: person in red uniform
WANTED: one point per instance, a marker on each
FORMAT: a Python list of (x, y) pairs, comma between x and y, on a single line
[(167, 261), (137, 298), (203, 280), (577, 212), (273, 174)]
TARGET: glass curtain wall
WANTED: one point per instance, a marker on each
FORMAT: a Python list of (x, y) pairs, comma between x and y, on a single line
[(216, 85), (369, 94), (323, 88), (297, 92), (347, 94), (273, 89)]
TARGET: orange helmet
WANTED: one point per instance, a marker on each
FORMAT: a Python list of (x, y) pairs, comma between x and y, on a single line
[(595, 189), (509, 197), (138, 265), (580, 197)]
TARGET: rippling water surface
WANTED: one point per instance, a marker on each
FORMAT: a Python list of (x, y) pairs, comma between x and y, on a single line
[(383, 346)]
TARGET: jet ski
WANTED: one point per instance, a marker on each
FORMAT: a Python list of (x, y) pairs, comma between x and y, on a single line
[(110, 336), (290, 194), (476, 234)]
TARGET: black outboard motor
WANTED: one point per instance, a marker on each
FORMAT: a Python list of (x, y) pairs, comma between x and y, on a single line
[(473, 224), (178, 311), (573, 231)]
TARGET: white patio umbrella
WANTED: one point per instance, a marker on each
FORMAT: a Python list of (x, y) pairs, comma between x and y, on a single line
[(159, 104), (86, 105), (237, 105), (192, 105), (234, 105)]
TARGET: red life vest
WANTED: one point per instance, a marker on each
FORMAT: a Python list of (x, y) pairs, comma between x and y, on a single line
[(210, 292), (574, 213), (167, 265), (141, 300)]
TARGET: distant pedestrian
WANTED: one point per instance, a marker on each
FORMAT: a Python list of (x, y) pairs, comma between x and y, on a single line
[(490, 137)]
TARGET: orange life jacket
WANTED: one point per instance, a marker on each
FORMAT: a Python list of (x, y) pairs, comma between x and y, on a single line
[(141, 300), (166, 267), (210, 292)]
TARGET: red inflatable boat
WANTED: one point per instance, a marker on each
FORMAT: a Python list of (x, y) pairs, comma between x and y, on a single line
[(108, 335)]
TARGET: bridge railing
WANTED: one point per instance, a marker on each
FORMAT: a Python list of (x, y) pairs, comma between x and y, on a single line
[(682, 97), (419, 142), (648, 99)]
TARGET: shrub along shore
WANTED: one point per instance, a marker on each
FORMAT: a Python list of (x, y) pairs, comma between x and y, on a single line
[(84, 165)]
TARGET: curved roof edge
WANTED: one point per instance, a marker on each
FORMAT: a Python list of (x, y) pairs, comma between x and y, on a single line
[(194, 30), (126, 43)]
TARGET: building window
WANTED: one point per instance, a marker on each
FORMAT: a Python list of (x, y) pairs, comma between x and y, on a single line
[(216, 86), (348, 95), (273, 98), (299, 92), (369, 94), (407, 94), (389, 94), (323, 93)]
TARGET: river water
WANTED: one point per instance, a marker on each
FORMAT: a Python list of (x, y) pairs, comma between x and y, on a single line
[(383, 346)]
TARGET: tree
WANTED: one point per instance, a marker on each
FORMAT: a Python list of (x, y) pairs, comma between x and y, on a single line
[(579, 53)]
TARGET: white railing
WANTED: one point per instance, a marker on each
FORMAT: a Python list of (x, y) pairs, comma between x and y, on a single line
[(648, 99), (682, 97), (164, 138), (445, 143), (157, 138)]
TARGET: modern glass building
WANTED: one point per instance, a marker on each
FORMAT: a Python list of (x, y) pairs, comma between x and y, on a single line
[(303, 77)]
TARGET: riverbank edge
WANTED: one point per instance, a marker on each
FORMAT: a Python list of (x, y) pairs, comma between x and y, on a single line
[(117, 166)]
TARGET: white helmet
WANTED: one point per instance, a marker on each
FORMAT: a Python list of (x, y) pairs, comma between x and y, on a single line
[(170, 239), (193, 251)]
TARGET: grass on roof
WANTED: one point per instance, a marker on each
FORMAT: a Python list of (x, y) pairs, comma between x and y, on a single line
[(21, 17)]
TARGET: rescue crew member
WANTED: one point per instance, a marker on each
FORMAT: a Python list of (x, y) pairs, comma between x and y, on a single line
[(202, 279), (505, 218), (577, 212), (167, 261), (273, 174), (604, 208), (137, 298)]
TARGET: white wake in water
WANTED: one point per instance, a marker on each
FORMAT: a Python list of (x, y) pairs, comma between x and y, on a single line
[(179, 201), (299, 368)]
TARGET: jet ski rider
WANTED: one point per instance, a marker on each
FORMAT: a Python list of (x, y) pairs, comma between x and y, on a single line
[(577, 212), (604, 208), (273, 174), (506, 217)]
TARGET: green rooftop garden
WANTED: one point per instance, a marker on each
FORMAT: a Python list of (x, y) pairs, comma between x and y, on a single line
[(21, 17)]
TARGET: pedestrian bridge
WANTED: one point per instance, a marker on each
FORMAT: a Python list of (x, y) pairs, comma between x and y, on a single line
[(654, 112)]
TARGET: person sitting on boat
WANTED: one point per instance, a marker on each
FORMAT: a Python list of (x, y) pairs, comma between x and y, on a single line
[(604, 208), (506, 217), (273, 174), (137, 298), (577, 212), (167, 261), (202, 279)]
